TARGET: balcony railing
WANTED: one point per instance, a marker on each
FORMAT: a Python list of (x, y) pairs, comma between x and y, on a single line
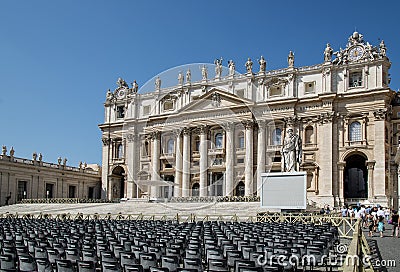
[(216, 151)]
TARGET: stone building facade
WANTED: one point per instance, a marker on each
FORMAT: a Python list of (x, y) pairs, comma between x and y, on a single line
[(215, 136), (35, 179)]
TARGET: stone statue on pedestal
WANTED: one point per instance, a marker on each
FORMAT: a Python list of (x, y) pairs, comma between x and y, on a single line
[(328, 53), (291, 152), (135, 86), (188, 76), (249, 66), (290, 59), (158, 83), (204, 72), (263, 64), (180, 78)]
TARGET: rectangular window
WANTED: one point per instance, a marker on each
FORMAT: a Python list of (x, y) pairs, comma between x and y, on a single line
[(275, 91), (309, 87), (120, 111), (355, 79), (240, 160), (146, 110), (240, 93)]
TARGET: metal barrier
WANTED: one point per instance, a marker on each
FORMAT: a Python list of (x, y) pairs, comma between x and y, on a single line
[(357, 250), (346, 225), (63, 200)]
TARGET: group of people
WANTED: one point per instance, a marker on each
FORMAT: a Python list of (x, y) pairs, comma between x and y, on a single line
[(374, 218)]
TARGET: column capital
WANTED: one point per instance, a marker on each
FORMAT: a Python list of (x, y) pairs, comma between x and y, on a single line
[(341, 165), (106, 141), (186, 131), (132, 137), (228, 126), (261, 123), (370, 165), (154, 135), (202, 129), (177, 132), (380, 114), (248, 124)]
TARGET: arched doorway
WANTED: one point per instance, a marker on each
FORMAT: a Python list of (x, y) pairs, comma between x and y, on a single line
[(239, 189), (356, 177), (118, 183), (196, 189)]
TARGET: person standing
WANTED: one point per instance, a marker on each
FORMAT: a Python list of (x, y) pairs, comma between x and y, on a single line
[(381, 225), (395, 222)]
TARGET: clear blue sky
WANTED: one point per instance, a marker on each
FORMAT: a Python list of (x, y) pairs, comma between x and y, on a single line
[(58, 58)]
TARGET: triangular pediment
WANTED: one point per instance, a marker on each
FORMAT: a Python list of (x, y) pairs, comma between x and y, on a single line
[(216, 99)]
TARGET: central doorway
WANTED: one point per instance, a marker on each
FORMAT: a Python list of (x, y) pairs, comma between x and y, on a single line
[(356, 177)]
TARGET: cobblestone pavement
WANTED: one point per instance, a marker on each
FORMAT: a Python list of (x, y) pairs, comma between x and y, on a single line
[(387, 249)]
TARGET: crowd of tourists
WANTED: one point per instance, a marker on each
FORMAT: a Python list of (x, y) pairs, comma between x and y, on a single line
[(374, 218)]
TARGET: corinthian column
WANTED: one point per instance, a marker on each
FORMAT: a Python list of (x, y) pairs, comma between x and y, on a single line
[(155, 161), (248, 170), (203, 160), (186, 162), (178, 164), (229, 130), (260, 153)]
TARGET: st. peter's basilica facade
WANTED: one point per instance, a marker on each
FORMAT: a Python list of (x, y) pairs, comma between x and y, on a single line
[(215, 136)]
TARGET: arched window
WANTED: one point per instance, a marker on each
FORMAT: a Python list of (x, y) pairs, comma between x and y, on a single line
[(120, 151), (218, 140), (277, 136), (146, 149), (355, 132), (170, 146), (309, 135), (241, 140)]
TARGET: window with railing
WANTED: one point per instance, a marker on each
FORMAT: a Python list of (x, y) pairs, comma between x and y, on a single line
[(355, 79)]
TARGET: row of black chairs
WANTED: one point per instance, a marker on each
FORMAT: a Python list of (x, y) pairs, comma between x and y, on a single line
[(122, 245)]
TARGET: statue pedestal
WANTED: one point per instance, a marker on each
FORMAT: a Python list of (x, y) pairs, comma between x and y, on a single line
[(284, 190)]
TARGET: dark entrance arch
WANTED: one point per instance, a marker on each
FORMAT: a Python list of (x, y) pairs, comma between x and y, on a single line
[(356, 177), (118, 182), (239, 189), (196, 189)]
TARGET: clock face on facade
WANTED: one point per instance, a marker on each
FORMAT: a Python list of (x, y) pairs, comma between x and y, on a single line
[(356, 53), (121, 93)]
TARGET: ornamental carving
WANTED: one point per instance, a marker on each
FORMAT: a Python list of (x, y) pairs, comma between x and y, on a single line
[(326, 117), (154, 135), (186, 131), (380, 114), (292, 120), (132, 137), (228, 126), (358, 50), (216, 99), (248, 124), (106, 141), (202, 129)]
